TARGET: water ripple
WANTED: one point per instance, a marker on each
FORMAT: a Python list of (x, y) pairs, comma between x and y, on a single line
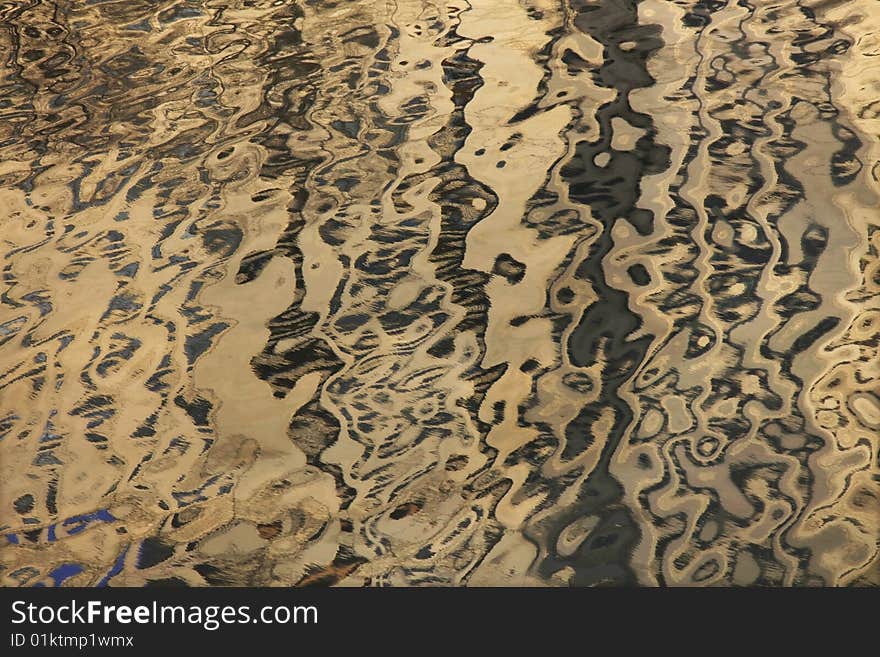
[(521, 292)]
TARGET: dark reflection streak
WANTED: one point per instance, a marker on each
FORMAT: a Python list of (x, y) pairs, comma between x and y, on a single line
[(604, 327)]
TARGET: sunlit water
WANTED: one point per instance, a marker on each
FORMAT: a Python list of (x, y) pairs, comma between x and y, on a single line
[(501, 292)]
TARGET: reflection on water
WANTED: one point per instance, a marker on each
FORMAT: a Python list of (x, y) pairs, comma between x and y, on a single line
[(499, 292)]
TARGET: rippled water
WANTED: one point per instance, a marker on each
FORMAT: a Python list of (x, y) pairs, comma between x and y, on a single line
[(501, 292)]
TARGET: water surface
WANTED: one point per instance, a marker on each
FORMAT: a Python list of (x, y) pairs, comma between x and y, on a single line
[(500, 292)]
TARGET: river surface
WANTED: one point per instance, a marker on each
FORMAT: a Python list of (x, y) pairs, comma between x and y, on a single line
[(499, 292)]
